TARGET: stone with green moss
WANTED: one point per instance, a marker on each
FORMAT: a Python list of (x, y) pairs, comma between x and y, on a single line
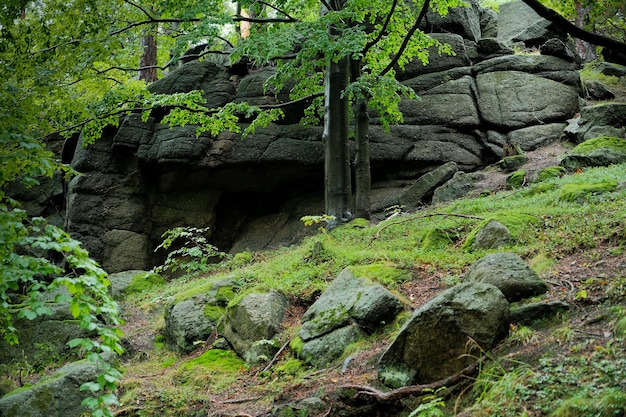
[(349, 299), (144, 281), (436, 239), (511, 163), (577, 193), (600, 151), (514, 222), (57, 395), (516, 179), (549, 173)]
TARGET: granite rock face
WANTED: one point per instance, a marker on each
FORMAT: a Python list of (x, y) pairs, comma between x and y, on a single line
[(144, 177)]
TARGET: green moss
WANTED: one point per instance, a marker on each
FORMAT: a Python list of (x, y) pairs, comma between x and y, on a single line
[(215, 360), (143, 282), (241, 259), (436, 239), (296, 345), (539, 189), (291, 367), (603, 142), (214, 313), (225, 294), (515, 222), (541, 263), (516, 179), (571, 193), (609, 402), (511, 163), (382, 272), (550, 172)]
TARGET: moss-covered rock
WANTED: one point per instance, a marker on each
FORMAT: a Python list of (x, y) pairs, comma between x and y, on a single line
[(144, 281), (513, 222), (549, 173), (600, 151), (511, 163), (516, 179), (571, 193)]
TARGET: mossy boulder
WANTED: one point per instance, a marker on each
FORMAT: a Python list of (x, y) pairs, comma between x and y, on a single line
[(144, 281), (549, 173), (511, 163), (57, 396), (195, 315), (577, 193), (516, 179), (491, 236), (444, 335), (513, 222), (252, 324), (600, 151), (336, 319)]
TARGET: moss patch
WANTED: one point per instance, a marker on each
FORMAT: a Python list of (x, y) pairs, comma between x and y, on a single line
[(143, 282), (603, 142), (214, 313), (511, 163), (216, 360), (382, 272), (571, 193), (514, 222), (437, 239), (296, 345), (550, 172), (516, 179)]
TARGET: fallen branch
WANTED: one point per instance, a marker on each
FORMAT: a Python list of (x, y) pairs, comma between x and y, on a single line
[(269, 365), (411, 390)]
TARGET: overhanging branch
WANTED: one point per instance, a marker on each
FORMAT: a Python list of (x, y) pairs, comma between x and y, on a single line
[(572, 29), (407, 39)]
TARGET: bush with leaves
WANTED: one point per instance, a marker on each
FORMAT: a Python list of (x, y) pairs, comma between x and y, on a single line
[(193, 254)]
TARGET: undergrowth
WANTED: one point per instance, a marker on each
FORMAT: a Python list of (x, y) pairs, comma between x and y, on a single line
[(572, 375)]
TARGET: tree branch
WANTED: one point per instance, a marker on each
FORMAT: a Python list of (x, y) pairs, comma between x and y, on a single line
[(383, 30), (411, 390), (572, 29), (240, 18), (284, 13), (144, 11), (407, 38)]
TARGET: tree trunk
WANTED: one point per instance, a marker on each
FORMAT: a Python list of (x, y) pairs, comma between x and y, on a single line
[(148, 60), (362, 173), (337, 181)]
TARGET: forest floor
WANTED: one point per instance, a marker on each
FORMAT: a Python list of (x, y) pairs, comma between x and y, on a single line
[(579, 278)]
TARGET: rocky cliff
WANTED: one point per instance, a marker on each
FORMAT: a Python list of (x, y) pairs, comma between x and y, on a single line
[(144, 178)]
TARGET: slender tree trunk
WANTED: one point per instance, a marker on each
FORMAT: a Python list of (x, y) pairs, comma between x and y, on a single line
[(337, 182), (362, 172), (148, 60)]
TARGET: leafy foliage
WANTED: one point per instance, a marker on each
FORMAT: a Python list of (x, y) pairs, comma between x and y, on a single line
[(193, 254)]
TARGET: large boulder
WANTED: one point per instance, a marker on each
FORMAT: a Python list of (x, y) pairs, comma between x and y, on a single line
[(509, 273), (196, 317), (608, 119), (252, 323), (443, 336), (58, 396), (513, 99), (518, 23), (337, 317), (426, 184)]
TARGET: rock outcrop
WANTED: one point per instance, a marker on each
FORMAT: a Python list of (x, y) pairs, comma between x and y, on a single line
[(144, 178)]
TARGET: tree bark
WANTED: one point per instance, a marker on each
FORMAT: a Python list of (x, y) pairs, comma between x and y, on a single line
[(337, 177), (362, 171), (148, 60)]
